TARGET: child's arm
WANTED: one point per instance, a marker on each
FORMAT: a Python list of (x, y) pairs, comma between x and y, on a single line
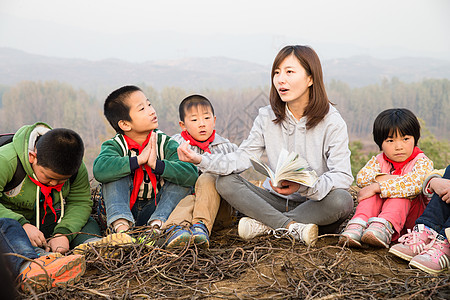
[(426, 184), (440, 186), (78, 206), (407, 185), (368, 173), (170, 167), (110, 164), (368, 191)]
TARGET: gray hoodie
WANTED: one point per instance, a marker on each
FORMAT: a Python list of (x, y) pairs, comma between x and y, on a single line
[(325, 148)]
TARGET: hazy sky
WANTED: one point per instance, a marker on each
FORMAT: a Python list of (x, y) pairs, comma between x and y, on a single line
[(138, 30)]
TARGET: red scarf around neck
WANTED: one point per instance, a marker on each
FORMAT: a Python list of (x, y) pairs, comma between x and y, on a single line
[(202, 145), (398, 166), (139, 173), (47, 191)]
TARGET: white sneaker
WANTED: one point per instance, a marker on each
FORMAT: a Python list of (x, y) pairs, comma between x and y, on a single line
[(249, 228), (307, 233)]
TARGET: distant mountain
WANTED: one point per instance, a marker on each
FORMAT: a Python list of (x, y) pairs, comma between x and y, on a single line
[(201, 73), (364, 70)]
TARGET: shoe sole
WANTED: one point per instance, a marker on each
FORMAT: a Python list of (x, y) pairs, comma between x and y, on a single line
[(425, 268), (313, 233), (370, 239), (400, 254), (37, 283), (179, 241), (346, 240), (241, 229), (68, 274), (201, 241), (115, 239)]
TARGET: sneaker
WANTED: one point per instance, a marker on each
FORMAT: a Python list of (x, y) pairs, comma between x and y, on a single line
[(352, 233), (435, 258), (61, 271), (249, 228), (178, 237), (200, 234), (306, 233), (114, 239), (379, 233), (413, 243)]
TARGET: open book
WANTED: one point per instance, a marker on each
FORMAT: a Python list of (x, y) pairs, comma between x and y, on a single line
[(290, 166)]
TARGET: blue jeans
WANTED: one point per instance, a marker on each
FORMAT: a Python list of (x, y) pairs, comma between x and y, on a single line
[(262, 205), (15, 240), (437, 212), (117, 202)]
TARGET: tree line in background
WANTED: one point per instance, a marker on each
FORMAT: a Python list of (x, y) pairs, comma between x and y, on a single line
[(60, 105)]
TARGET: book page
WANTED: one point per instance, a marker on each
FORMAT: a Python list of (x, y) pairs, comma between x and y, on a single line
[(261, 167), (292, 167)]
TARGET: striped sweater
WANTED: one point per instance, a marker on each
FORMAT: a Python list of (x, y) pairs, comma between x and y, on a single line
[(116, 161)]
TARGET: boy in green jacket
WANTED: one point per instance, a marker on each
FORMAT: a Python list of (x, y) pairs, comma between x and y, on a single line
[(50, 204), (142, 178)]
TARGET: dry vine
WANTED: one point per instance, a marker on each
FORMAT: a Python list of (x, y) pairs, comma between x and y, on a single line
[(264, 268)]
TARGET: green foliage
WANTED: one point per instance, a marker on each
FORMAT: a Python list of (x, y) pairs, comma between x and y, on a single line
[(428, 99), (436, 150), (358, 158)]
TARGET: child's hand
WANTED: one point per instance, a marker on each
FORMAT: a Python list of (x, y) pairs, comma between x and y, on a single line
[(286, 188), (143, 156), (35, 236), (441, 186), (151, 162), (59, 243), (368, 191), (187, 155)]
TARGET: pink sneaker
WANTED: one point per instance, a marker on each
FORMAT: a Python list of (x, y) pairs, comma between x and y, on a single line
[(413, 243), (379, 233), (353, 232), (435, 258)]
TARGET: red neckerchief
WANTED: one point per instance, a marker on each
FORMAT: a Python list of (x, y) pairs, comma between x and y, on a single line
[(399, 165), (47, 191), (139, 173), (202, 145)]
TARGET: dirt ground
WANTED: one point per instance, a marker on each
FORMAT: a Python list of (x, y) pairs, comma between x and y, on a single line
[(263, 268)]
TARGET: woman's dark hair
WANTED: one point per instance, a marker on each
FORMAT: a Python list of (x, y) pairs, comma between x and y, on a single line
[(318, 104), (391, 122)]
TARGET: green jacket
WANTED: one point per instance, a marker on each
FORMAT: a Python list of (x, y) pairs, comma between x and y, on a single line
[(20, 203), (115, 161)]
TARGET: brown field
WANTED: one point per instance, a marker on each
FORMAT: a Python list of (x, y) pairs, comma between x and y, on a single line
[(263, 268)]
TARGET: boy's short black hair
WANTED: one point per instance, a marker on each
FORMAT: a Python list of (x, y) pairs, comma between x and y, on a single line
[(193, 101), (115, 108), (395, 120), (60, 150)]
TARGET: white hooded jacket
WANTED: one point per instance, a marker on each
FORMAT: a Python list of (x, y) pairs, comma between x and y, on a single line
[(325, 148)]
